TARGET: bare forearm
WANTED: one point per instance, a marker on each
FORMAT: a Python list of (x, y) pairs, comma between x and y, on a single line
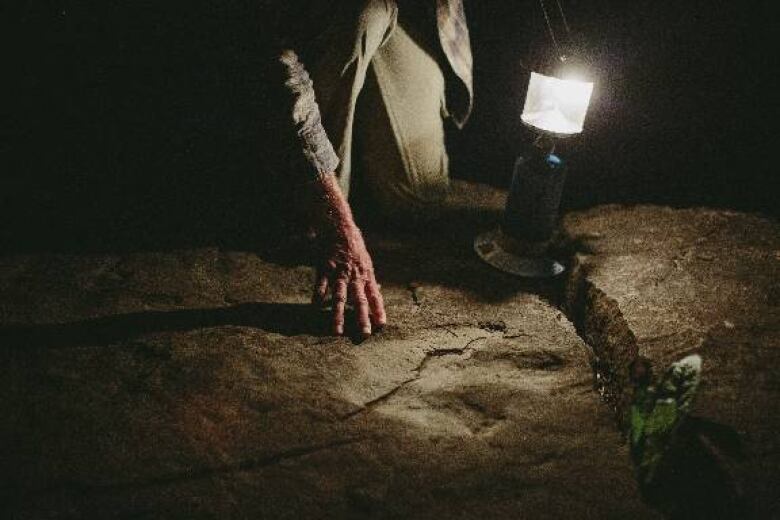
[(331, 209)]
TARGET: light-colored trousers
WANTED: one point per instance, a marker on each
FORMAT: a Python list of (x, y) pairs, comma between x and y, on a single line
[(380, 89)]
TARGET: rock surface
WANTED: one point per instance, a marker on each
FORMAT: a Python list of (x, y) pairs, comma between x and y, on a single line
[(200, 384), (663, 283)]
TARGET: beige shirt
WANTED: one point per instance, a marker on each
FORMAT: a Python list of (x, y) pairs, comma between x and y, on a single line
[(318, 152)]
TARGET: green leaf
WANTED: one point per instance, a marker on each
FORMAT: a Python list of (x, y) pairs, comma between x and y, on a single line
[(656, 414), (663, 418)]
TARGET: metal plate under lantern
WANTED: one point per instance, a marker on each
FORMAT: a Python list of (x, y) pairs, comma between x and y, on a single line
[(512, 256)]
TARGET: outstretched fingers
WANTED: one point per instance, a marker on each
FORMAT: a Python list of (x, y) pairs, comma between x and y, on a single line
[(320, 289), (376, 302), (339, 303), (358, 286), (359, 300)]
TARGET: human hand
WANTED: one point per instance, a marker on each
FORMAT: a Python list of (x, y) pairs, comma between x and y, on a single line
[(346, 270)]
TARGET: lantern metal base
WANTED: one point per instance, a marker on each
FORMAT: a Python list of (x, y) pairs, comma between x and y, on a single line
[(524, 259)]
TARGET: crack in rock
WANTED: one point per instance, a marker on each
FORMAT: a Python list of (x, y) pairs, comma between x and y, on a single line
[(466, 349), (601, 325), (249, 464), (493, 326), (418, 370)]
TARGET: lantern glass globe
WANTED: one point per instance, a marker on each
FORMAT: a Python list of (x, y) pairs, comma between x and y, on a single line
[(556, 106)]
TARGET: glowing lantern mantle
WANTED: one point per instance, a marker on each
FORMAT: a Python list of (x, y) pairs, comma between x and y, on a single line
[(556, 106)]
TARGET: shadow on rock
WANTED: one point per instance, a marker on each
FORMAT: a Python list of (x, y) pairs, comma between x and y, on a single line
[(283, 318), (693, 481)]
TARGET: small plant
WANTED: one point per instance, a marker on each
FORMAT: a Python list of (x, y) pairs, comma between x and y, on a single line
[(657, 412)]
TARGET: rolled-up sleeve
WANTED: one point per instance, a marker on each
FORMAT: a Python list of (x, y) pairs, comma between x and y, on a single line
[(304, 116)]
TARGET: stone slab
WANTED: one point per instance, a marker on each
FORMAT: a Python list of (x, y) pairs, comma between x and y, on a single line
[(200, 384)]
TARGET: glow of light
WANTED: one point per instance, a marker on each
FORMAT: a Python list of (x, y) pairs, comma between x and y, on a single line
[(556, 106)]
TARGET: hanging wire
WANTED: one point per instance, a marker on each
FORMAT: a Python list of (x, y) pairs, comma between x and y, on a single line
[(550, 28), (560, 54), (563, 17)]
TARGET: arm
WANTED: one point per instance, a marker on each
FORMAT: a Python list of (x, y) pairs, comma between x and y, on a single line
[(346, 269)]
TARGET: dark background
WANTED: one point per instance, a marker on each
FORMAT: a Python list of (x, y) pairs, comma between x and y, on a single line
[(682, 105), (136, 124)]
